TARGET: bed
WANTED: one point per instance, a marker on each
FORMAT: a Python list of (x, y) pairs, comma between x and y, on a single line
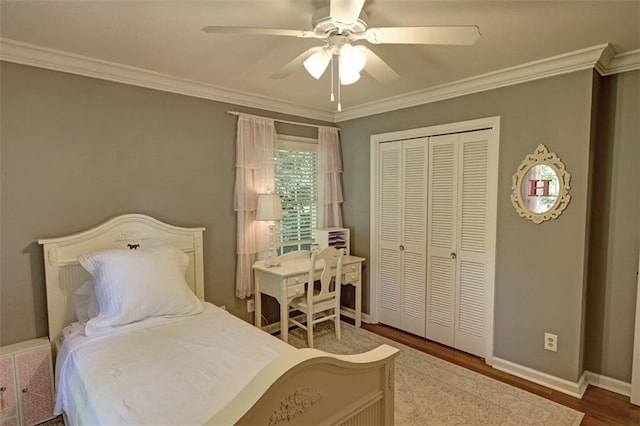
[(197, 364)]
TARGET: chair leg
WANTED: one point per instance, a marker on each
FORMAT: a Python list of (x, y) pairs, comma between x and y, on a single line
[(310, 317), (337, 322), (310, 329)]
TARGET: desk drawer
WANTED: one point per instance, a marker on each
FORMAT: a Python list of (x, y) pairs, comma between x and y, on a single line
[(351, 277), (295, 285), (295, 290), (354, 267), (296, 279)]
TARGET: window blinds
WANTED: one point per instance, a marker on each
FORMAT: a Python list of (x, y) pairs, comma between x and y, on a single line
[(296, 182)]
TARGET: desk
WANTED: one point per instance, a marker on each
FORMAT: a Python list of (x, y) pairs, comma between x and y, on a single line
[(286, 282)]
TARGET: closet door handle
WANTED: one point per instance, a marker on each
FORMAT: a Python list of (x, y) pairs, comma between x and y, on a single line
[(401, 247), (453, 255)]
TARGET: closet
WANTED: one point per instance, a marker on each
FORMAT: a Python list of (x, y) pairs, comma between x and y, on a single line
[(434, 194)]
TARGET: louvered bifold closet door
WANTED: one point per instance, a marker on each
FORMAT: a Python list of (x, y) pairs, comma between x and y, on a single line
[(460, 193), (472, 253), (413, 242), (402, 234), (441, 239), (389, 196)]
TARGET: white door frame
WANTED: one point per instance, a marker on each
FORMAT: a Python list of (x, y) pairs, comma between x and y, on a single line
[(375, 140), (635, 370)]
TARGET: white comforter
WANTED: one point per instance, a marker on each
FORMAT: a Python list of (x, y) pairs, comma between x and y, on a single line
[(160, 372)]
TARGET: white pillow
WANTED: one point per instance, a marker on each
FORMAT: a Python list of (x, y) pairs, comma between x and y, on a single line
[(132, 285), (85, 301)]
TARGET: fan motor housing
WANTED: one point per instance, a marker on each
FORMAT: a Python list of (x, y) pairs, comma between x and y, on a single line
[(323, 24)]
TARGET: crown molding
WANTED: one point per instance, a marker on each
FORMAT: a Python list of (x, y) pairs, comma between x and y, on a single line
[(549, 67), (612, 63), (602, 58), (57, 60)]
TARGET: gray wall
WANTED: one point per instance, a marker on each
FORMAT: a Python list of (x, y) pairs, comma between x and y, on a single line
[(540, 270), (76, 151)]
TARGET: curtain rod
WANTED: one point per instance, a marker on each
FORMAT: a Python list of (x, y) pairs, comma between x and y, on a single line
[(295, 123)]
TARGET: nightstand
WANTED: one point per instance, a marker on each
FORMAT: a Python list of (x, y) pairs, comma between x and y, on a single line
[(26, 383)]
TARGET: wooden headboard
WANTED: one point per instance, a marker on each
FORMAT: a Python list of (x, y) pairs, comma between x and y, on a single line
[(64, 274)]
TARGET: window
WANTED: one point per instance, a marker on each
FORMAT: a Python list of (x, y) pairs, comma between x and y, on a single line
[(296, 173)]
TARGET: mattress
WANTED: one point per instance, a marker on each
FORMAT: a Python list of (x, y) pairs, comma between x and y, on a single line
[(161, 371)]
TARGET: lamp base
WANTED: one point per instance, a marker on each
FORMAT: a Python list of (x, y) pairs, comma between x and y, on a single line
[(272, 259), (272, 256)]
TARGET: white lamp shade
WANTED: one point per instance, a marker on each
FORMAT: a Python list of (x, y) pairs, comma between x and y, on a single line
[(269, 207), (317, 63), (348, 76), (352, 58)]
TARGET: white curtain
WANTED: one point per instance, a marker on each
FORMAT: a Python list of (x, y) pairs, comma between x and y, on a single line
[(329, 178), (255, 144)]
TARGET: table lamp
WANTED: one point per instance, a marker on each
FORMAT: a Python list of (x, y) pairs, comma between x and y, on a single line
[(270, 210)]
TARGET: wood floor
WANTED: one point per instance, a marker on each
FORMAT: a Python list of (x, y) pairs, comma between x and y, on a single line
[(601, 407)]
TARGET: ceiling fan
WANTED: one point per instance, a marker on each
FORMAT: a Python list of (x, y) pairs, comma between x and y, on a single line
[(340, 25)]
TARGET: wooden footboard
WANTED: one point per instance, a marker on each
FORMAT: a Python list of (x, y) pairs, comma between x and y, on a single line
[(311, 387)]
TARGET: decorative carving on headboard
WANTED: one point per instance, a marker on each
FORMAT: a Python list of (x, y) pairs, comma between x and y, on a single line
[(52, 255), (296, 403), (131, 238)]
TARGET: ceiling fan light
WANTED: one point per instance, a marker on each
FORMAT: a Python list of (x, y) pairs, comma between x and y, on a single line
[(348, 76), (317, 63), (352, 58)]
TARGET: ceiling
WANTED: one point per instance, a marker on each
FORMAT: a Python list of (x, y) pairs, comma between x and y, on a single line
[(166, 38)]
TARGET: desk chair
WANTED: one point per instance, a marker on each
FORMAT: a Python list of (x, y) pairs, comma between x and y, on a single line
[(326, 299)]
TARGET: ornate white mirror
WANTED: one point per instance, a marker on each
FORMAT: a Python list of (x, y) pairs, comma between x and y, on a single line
[(540, 189)]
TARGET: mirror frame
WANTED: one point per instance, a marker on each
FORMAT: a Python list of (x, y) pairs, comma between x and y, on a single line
[(541, 156)]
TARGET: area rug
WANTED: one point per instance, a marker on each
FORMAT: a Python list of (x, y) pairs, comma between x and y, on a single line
[(431, 391)]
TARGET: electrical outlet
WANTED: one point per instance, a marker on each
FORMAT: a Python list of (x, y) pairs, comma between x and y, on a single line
[(250, 305), (551, 342)]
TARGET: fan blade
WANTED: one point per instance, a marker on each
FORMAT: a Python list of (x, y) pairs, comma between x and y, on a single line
[(260, 31), (466, 35), (345, 12), (295, 64), (376, 67)]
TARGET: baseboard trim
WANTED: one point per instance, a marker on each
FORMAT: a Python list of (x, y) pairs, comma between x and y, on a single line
[(565, 386), (351, 313), (608, 383), (274, 327), (561, 385)]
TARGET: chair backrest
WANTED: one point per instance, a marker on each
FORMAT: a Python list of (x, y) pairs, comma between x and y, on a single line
[(326, 258)]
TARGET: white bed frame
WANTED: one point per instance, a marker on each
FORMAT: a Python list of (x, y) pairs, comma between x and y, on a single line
[(302, 387)]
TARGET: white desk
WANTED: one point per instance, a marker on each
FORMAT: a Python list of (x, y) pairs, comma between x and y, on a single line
[(286, 282)]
